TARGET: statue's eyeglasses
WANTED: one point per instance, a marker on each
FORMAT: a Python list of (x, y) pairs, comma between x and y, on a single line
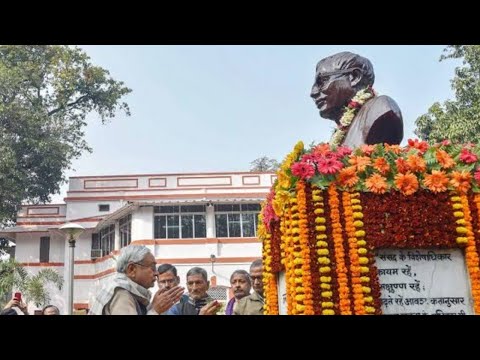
[(321, 78)]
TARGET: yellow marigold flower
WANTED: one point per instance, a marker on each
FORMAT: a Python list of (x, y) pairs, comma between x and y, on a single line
[(357, 215), (322, 244), (298, 148), (461, 222), (369, 309), (320, 228), (298, 280), (458, 214), (363, 260), (318, 211), (462, 240), (325, 279), (364, 269), (328, 312), (321, 236), (294, 207), (461, 230), (361, 242), (320, 220), (327, 294), (360, 233), (317, 198), (300, 289), (322, 251), (325, 269), (357, 207), (364, 279), (325, 286), (300, 297), (457, 206), (358, 223), (327, 304), (455, 198), (362, 251), (298, 272), (355, 201), (300, 308), (368, 299), (323, 260), (366, 289)]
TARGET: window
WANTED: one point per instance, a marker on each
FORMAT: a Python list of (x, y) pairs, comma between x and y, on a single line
[(180, 222), (235, 220), (44, 248), (125, 227), (96, 248), (104, 207), (107, 239)]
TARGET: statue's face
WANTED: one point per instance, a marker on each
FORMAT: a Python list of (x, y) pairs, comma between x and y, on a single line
[(331, 91)]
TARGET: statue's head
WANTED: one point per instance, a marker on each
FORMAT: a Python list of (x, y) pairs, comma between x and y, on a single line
[(337, 80)]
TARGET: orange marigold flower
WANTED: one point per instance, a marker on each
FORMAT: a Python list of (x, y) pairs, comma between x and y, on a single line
[(396, 149), (416, 163), (437, 181), (444, 159), (321, 149), (376, 184), (348, 176), (407, 183), (367, 149), (461, 180), (402, 166), (360, 162), (381, 165)]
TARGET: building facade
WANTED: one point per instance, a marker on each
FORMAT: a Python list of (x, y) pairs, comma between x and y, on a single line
[(207, 220)]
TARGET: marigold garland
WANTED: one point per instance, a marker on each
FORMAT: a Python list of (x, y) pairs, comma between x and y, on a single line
[(325, 239)]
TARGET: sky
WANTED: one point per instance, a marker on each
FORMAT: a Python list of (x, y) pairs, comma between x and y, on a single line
[(217, 108)]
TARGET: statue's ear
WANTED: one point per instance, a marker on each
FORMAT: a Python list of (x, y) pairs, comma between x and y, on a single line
[(355, 77)]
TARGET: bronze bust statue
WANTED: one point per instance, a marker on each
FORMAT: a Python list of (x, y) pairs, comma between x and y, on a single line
[(343, 92)]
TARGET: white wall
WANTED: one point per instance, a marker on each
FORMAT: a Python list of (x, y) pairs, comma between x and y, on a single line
[(142, 223), (84, 209)]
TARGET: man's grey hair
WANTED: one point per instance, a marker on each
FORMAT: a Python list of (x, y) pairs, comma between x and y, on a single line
[(198, 271), (243, 273), (257, 263), (131, 254)]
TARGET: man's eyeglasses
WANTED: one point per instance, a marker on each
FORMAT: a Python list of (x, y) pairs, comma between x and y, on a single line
[(153, 266)]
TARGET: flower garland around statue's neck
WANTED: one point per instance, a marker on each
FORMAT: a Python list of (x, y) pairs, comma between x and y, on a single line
[(360, 98)]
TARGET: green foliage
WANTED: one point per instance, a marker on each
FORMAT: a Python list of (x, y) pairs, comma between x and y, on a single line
[(264, 164), (46, 92), (33, 287), (457, 120)]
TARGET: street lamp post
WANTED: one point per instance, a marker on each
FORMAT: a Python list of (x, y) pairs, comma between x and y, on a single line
[(71, 231)]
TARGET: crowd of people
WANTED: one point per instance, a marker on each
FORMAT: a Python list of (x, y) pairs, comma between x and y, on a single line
[(128, 293)]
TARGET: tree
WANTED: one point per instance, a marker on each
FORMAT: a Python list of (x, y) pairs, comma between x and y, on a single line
[(264, 164), (456, 120), (33, 287), (46, 92)]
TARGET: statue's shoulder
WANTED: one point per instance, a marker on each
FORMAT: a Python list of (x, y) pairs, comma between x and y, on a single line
[(381, 105)]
